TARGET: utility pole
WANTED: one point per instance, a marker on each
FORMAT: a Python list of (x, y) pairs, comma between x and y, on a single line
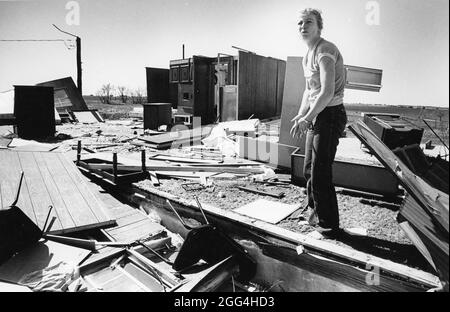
[(79, 84), (78, 44)]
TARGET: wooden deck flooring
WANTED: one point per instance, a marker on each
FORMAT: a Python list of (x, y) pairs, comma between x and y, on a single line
[(132, 225), (50, 179)]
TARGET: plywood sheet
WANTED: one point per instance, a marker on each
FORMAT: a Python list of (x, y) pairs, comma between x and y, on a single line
[(50, 179), (294, 86), (85, 117), (266, 210)]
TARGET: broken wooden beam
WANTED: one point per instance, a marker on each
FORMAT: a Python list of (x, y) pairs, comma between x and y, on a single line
[(184, 159), (89, 150), (265, 193), (177, 168)]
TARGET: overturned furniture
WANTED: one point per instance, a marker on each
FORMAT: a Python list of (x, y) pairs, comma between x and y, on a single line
[(302, 262), (211, 244), (138, 257), (393, 130), (34, 111)]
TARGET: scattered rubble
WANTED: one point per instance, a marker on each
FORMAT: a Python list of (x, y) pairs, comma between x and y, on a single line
[(214, 174)]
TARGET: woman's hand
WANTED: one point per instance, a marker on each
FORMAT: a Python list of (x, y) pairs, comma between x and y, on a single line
[(301, 125)]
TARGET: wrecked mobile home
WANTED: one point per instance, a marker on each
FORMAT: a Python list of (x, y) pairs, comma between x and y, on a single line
[(202, 190)]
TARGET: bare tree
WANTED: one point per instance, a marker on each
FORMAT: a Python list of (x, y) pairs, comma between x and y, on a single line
[(105, 93), (122, 91), (137, 96)]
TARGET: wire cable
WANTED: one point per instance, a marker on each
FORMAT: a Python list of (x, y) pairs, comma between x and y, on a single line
[(35, 40)]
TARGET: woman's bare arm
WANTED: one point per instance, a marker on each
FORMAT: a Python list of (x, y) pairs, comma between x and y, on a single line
[(304, 105), (327, 82)]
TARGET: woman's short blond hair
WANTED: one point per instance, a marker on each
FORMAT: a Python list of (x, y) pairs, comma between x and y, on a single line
[(316, 13)]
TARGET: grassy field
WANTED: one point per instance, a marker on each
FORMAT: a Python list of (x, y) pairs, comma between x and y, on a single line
[(115, 110)]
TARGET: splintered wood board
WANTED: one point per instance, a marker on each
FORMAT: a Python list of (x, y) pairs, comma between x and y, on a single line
[(266, 210), (50, 179)]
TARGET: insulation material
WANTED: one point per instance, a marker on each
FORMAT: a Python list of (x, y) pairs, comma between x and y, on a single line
[(55, 278), (218, 139)]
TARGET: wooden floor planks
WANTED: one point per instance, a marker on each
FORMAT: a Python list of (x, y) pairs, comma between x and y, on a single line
[(50, 179), (10, 177), (94, 203), (74, 201), (132, 224), (37, 191), (60, 210), (134, 231)]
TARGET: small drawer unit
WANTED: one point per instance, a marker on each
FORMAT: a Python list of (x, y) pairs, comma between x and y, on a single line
[(393, 130)]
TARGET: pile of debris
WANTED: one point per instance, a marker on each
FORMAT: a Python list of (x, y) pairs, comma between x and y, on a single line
[(58, 212), (58, 235)]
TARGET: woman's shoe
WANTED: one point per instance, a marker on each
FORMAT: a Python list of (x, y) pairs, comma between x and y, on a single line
[(330, 232)]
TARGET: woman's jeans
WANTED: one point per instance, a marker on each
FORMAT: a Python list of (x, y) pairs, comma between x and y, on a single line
[(321, 145)]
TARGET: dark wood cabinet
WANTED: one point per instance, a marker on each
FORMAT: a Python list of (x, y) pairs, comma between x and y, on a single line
[(195, 86), (232, 87), (34, 109)]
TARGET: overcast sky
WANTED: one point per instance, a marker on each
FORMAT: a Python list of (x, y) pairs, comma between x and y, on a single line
[(408, 40)]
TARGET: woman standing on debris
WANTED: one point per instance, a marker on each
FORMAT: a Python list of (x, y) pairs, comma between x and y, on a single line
[(322, 116)]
